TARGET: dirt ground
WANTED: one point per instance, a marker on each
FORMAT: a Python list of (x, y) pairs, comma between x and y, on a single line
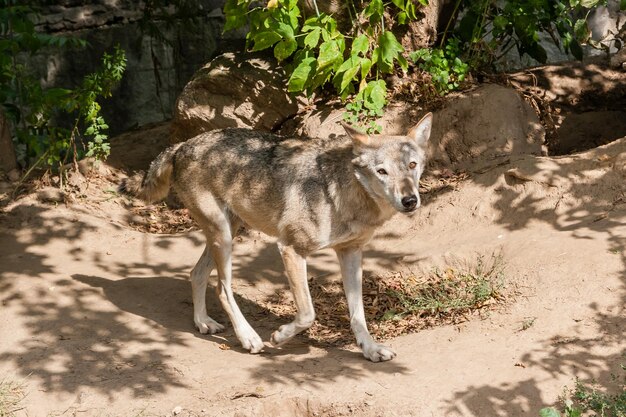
[(96, 317)]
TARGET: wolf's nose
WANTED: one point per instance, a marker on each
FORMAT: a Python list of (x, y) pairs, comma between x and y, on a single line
[(410, 202)]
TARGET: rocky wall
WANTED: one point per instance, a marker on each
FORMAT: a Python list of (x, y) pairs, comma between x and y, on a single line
[(156, 70)]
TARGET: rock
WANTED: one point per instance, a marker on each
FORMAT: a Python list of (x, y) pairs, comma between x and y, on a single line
[(618, 61), (491, 122), (77, 181), (51, 195), (5, 187), (14, 175), (177, 410), (156, 70), (243, 90), (134, 150), (90, 166)]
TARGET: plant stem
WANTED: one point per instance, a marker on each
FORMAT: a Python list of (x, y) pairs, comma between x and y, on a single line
[(317, 11), (19, 184), (452, 17)]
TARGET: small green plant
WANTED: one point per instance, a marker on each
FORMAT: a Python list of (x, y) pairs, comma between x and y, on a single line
[(34, 110), (316, 52), (11, 394), (586, 398), (569, 410), (445, 67), (592, 397), (84, 101), (528, 323)]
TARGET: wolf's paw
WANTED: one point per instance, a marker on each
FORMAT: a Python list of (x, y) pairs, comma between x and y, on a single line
[(251, 341), (378, 353), (282, 335), (207, 325)]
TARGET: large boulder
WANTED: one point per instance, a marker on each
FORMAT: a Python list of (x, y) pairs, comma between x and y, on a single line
[(487, 124), (233, 90)]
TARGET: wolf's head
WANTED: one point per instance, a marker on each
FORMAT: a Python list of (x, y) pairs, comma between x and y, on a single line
[(389, 167)]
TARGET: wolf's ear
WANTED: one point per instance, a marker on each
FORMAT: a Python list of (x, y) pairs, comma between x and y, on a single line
[(421, 131), (359, 139)]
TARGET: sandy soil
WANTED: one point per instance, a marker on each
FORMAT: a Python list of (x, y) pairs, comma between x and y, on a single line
[(96, 318)]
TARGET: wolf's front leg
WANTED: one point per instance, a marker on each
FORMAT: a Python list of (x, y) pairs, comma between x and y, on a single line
[(295, 268), (350, 261), (221, 252)]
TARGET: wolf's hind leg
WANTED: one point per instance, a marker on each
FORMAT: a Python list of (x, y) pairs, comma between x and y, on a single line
[(295, 268), (219, 227), (350, 261), (199, 278)]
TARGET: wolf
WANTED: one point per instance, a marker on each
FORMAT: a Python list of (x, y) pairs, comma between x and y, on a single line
[(310, 194)]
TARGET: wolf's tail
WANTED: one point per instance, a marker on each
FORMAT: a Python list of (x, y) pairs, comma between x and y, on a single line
[(153, 185)]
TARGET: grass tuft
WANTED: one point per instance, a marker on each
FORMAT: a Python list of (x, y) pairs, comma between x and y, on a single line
[(11, 394), (445, 296)]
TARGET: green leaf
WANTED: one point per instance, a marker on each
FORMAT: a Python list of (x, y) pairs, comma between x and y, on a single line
[(574, 412), (466, 27), (576, 50), (321, 77), (264, 40), (285, 31), (374, 10), (366, 65), (329, 53), (285, 48), (390, 49), (500, 22), (301, 75), (537, 52), (581, 29), (375, 95), (410, 10), (312, 39), (402, 18), (360, 45), (589, 3), (622, 5), (399, 4), (235, 15), (294, 14), (389, 314), (57, 93), (402, 62), (349, 75), (549, 412)]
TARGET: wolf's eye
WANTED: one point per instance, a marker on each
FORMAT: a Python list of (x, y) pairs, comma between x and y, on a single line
[(382, 172), (412, 165)]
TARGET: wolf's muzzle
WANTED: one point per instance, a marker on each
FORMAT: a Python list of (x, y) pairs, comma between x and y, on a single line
[(410, 202)]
